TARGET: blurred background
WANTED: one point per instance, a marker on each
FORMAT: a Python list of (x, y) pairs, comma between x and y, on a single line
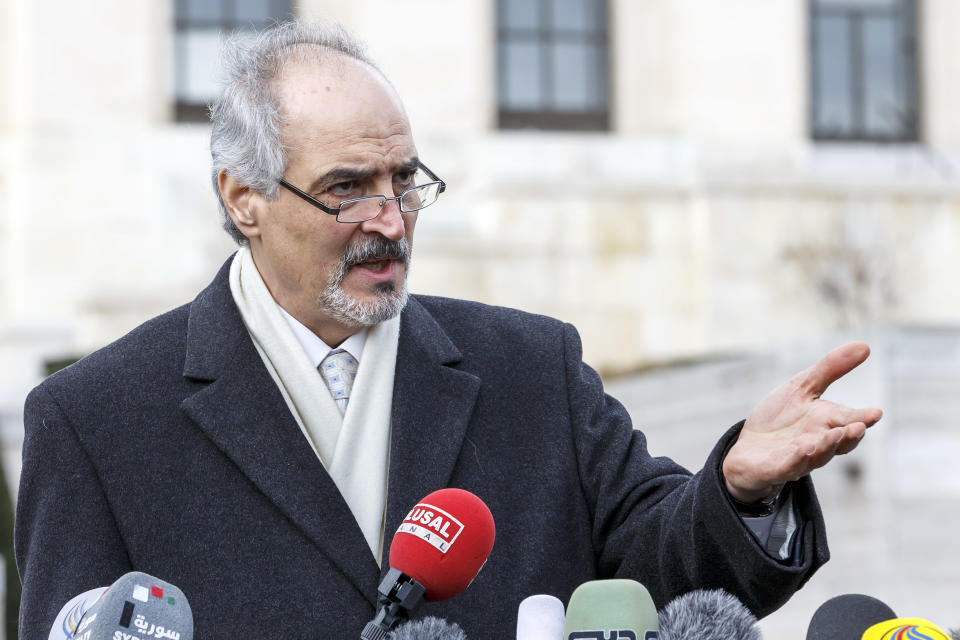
[(714, 193)]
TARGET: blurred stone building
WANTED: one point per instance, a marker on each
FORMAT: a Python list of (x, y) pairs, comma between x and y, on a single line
[(681, 179)]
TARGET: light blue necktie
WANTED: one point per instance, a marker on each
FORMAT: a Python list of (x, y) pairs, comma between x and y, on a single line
[(339, 369)]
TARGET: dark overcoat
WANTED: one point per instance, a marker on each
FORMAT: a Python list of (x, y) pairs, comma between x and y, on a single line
[(172, 452)]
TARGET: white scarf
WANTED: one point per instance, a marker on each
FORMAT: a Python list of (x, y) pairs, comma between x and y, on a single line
[(354, 447)]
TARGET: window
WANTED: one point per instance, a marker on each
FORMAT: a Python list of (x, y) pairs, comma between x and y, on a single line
[(552, 64), (863, 70), (199, 26)]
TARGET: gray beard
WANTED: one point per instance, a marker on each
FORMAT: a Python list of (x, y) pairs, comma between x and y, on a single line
[(388, 301)]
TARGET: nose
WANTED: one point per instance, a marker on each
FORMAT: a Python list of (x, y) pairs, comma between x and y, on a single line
[(390, 223)]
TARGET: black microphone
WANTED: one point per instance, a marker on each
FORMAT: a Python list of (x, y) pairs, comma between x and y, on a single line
[(707, 615), (135, 607), (847, 616), (428, 628)]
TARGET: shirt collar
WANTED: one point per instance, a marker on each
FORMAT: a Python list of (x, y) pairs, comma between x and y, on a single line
[(316, 348)]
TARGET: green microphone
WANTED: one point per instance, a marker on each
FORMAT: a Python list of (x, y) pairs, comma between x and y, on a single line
[(611, 610)]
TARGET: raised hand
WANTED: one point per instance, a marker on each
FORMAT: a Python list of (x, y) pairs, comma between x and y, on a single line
[(793, 431)]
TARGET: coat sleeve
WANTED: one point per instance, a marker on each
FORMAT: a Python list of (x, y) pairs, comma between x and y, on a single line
[(672, 531), (66, 537)]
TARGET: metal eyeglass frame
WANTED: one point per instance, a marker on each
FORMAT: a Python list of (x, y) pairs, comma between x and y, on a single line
[(335, 211)]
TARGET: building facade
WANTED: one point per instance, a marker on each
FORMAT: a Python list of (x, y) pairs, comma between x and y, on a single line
[(678, 178)]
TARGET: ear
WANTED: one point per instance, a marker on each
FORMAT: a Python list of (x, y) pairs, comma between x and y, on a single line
[(241, 202)]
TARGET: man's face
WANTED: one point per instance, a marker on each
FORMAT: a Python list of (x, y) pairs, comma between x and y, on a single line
[(346, 136)]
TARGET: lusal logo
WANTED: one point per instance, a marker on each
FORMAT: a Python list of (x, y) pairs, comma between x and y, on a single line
[(432, 525)]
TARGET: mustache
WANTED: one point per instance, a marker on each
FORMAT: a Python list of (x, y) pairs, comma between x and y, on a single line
[(376, 247)]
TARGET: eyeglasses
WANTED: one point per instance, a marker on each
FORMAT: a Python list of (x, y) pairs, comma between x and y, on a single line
[(369, 207)]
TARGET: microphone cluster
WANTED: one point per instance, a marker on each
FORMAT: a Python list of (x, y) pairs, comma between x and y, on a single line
[(438, 550)]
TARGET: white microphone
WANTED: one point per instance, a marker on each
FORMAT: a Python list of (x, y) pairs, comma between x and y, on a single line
[(68, 620), (540, 617)]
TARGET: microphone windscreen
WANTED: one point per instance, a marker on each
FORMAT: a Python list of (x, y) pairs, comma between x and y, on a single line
[(428, 628), (66, 623), (905, 629), (707, 615), (847, 616), (444, 542), (540, 617), (138, 606), (608, 606)]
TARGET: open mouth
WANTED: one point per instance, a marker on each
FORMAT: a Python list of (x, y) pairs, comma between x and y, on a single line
[(375, 258), (379, 265)]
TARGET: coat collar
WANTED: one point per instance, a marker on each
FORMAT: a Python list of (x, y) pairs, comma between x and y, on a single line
[(243, 413)]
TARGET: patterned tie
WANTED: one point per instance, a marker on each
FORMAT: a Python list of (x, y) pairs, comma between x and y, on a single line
[(339, 369)]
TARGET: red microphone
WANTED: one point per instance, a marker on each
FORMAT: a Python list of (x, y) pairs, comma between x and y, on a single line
[(444, 542), (437, 551)]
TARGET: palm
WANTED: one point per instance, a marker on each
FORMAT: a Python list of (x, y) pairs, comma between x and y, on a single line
[(793, 431)]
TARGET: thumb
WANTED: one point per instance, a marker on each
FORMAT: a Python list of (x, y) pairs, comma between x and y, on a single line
[(833, 366)]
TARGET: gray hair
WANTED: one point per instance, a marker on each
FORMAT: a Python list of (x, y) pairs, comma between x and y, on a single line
[(245, 139)]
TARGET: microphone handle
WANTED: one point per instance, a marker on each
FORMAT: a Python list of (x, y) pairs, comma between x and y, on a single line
[(399, 597)]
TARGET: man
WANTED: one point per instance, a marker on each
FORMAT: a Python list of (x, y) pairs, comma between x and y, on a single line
[(206, 449)]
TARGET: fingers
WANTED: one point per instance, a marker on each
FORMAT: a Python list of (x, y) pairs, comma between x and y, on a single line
[(815, 446), (852, 438), (832, 367), (836, 415), (815, 452)]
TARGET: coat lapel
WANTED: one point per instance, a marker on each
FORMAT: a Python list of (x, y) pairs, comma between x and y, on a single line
[(244, 414), (432, 405)]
